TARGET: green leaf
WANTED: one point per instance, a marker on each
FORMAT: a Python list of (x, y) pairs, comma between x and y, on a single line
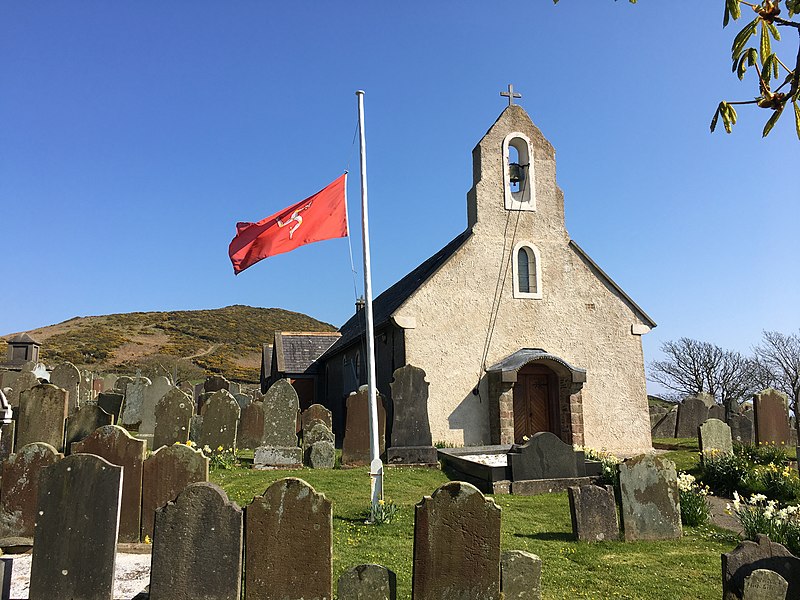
[(766, 50), (741, 38), (797, 118), (771, 123), (715, 118), (768, 68), (734, 8), (774, 31)]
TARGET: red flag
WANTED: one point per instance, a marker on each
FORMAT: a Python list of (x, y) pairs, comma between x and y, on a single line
[(321, 217)]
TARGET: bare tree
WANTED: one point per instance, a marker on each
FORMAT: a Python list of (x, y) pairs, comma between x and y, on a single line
[(778, 357)]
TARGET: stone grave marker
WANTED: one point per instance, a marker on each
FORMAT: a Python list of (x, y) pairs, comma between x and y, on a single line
[(771, 418), (742, 428), (715, 437), (84, 421), (749, 556), (215, 383), (167, 472), (411, 430), (692, 413), (665, 428), (243, 400), (173, 416), (42, 415), (355, 446), (24, 381), (118, 447), (234, 388), (650, 498), (289, 543), (318, 433), (322, 455), (316, 413), (20, 491), (456, 545), (520, 575), (251, 426), (121, 384), (763, 584), (594, 513), (220, 419), (202, 400), (656, 414), (68, 377), (545, 456), (111, 402), (706, 398), (152, 394), (86, 391), (367, 582), (197, 546), (7, 440), (134, 399), (279, 447), (195, 428), (109, 381), (717, 412), (75, 541)]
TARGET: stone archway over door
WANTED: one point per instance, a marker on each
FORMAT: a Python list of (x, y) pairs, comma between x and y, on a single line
[(535, 402)]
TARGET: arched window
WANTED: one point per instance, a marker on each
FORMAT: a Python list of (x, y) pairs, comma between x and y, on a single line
[(518, 180), (527, 267)]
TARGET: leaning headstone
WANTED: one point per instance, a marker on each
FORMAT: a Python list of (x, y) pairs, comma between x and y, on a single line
[(316, 413), (7, 440), (152, 394), (656, 414), (20, 490), (763, 584), (749, 556), (292, 525), (665, 428), (118, 447), (84, 421), (742, 428), (692, 413), (111, 402), (355, 446), (367, 582), (24, 381), (322, 455), (215, 383), (545, 456), (42, 414), (75, 542), (771, 416), (650, 498), (520, 575), (456, 545), (279, 447), (173, 415), (220, 418), (717, 412), (594, 513), (68, 377), (411, 430), (167, 472), (251, 426), (197, 547), (134, 398), (715, 437)]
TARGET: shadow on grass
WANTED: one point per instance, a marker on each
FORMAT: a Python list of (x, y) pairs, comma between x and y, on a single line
[(355, 520), (547, 536)]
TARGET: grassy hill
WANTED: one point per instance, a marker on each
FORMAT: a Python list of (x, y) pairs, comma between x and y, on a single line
[(190, 342)]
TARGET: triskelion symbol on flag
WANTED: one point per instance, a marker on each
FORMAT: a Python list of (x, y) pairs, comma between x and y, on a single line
[(295, 217)]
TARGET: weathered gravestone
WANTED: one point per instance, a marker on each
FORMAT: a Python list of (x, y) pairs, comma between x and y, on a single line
[(367, 582), (215, 383), (167, 472), (714, 436), (195, 428), (748, 556), (68, 377), (173, 414), (322, 455), (243, 399), (545, 456), (75, 542), (84, 421), (152, 394), (86, 391), (771, 418), (111, 402), (650, 498), (20, 490), (411, 430), (520, 575), (594, 513), (220, 418), (355, 446), (197, 547), (289, 543), (742, 428), (656, 414), (763, 584), (7, 440), (109, 381), (706, 398), (665, 428), (692, 413), (121, 384), (24, 381), (42, 415), (717, 412), (456, 545), (118, 447), (134, 399), (251, 426), (316, 413), (279, 447)]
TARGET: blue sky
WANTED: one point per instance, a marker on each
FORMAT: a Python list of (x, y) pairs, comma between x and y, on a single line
[(133, 136)]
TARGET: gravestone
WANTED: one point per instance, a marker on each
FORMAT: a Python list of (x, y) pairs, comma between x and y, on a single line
[(86, 391), (118, 447), (111, 402), (318, 433), (367, 582), (742, 428), (771, 418), (75, 541), (84, 421), (545, 456), (167, 472), (717, 412), (234, 388), (134, 399), (520, 575), (251, 426), (202, 399), (763, 584), (594, 513), (665, 428), (649, 498), (173, 415), (42, 415), (692, 413), (289, 543), (109, 381), (20, 490), (215, 383), (355, 445), (322, 455), (197, 546), (68, 377), (749, 556), (706, 398), (316, 413), (714, 436), (411, 430), (656, 414), (152, 394), (195, 428), (243, 400), (279, 447), (456, 545), (220, 418), (7, 440), (24, 381), (121, 384)]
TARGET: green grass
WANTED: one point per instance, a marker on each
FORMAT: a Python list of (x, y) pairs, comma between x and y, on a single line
[(684, 569)]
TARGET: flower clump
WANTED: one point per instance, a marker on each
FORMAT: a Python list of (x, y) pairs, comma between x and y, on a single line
[(761, 515), (695, 509)]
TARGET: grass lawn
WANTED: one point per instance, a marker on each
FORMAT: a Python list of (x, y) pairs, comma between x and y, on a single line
[(685, 569)]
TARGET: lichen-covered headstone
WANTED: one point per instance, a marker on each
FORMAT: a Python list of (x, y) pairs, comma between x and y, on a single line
[(84, 421), (75, 541), (321, 455), (520, 575), (748, 556), (197, 547), (7, 440), (545, 456), (111, 402), (251, 426), (20, 491), (411, 430), (594, 513), (121, 384), (134, 399), (715, 438), (316, 413), (771, 418), (173, 415), (456, 545), (215, 383), (152, 394), (167, 472), (289, 542), (68, 377), (42, 416), (23, 382), (692, 412), (118, 447), (279, 447), (763, 584), (650, 498), (220, 419), (367, 582), (356, 445)]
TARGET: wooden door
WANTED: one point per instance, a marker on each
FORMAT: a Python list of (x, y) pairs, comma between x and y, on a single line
[(534, 395)]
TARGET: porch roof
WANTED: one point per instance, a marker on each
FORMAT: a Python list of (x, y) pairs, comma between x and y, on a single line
[(511, 364)]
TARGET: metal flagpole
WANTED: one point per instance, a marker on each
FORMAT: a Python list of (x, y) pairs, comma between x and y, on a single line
[(375, 465)]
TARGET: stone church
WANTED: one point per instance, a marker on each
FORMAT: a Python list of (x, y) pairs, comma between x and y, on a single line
[(517, 328)]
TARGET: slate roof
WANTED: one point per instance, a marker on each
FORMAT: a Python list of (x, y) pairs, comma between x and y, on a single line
[(23, 338), (520, 358), (297, 351)]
